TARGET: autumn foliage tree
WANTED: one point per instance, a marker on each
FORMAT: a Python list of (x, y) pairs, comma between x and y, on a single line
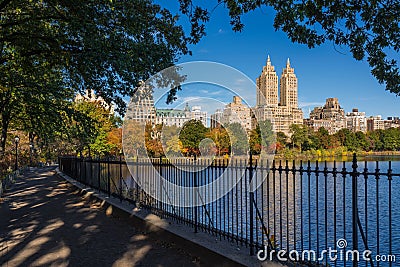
[(220, 137), (191, 135), (92, 129), (52, 49)]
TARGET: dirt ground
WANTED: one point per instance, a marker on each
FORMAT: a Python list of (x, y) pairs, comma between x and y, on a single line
[(44, 222)]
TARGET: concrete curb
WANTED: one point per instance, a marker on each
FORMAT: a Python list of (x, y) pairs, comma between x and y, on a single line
[(210, 249)]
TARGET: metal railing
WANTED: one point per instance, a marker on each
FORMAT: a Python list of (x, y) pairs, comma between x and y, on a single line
[(9, 179), (300, 206)]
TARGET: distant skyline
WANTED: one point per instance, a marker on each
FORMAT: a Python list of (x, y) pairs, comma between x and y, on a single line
[(322, 72)]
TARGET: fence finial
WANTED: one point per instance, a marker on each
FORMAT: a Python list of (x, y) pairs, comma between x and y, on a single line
[(354, 166)]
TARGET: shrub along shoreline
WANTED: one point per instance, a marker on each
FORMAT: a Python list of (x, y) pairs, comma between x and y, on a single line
[(333, 154)]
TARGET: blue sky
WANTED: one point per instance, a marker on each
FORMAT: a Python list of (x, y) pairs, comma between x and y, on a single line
[(322, 72)]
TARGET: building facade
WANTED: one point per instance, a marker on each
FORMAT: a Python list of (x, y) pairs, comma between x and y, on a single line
[(216, 119), (392, 122), (331, 116), (267, 86), (197, 114), (170, 117), (283, 111), (178, 117), (356, 121), (141, 107), (377, 123), (90, 96), (288, 84), (331, 110), (234, 112), (237, 112)]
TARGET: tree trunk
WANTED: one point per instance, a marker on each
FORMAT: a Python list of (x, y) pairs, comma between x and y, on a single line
[(5, 121)]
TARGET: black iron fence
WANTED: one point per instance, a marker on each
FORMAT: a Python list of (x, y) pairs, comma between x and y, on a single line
[(9, 179), (329, 213)]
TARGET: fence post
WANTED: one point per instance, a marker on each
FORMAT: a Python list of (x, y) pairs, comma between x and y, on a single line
[(76, 168), (80, 169), (84, 170), (355, 207), (161, 188), (91, 172), (108, 178), (120, 178), (137, 179), (98, 175), (251, 209), (195, 195)]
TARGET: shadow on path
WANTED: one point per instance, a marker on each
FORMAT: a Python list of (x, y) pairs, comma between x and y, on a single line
[(45, 222)]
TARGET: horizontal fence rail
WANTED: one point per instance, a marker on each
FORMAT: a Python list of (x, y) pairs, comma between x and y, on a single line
[(300, 209)]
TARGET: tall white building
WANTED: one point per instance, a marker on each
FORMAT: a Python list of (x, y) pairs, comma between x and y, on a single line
[(141, 109), (356, 121)]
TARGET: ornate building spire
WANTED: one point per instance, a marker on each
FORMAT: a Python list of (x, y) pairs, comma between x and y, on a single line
[(288, 63), (268, 61), (187, 108)]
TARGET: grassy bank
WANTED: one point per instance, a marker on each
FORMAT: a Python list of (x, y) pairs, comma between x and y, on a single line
[(331, 154)]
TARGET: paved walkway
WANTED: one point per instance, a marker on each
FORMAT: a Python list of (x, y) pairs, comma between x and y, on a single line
[(44, 222)]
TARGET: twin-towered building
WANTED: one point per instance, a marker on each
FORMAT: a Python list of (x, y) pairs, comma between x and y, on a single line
[(284, 110), (278, 103), (277, 100)]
